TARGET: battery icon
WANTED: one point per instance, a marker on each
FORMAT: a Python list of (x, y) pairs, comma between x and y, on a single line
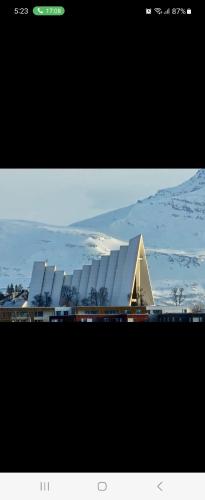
[(188, 11), (48, 11)]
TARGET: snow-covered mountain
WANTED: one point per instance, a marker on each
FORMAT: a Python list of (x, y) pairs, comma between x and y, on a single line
[(23, 242), (173, 226), (172, 218), (172, 223)]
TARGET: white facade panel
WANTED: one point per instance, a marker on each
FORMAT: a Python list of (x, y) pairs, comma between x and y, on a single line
[(36, 280), (116, 272), (48, 280), (67, 280), (128, 275), (84, 282), (118, 276), (92, 282), (111, 270), (76, 278), (102, 272), (57, 288)]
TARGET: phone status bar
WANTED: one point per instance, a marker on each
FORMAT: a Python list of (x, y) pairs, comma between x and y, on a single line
[(173, 11), (36, 10), (62, 9)]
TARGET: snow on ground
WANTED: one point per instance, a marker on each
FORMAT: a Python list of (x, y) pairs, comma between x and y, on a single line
[(23, 242)]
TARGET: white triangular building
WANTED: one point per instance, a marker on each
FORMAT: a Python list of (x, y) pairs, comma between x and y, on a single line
[(124, 273)]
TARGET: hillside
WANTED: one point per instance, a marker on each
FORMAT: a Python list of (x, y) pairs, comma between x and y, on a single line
[(172, 218), (23, 242)]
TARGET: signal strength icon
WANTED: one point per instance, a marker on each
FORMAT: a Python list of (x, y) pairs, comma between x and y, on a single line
[(167, 11), (158, 11)]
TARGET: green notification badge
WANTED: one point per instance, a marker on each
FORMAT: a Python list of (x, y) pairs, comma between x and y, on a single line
[(48, 11)]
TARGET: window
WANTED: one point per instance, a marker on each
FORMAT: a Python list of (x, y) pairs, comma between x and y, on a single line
[(39, 314)]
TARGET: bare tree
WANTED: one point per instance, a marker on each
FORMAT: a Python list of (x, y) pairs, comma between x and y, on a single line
[(38, 301), (47, 299), (177, 295), (75, 296), (181, 296), (42, 301), (198, 307), (85, 301), (66, 295), (70, 296), (93, 297), (102, 296), (174, 295)]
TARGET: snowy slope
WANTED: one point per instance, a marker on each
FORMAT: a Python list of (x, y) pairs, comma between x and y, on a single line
[(177, 269), (172, 218), (23, 242)]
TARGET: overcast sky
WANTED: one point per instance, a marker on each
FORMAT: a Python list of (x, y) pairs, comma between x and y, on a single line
[(63, 196)]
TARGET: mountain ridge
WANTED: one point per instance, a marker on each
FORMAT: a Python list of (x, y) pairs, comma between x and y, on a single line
[(162, 218)]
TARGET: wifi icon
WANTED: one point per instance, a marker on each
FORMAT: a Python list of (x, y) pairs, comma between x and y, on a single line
[(158, 11)]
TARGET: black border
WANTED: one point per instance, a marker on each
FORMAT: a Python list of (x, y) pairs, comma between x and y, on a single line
[(95, 112), (92, 399)]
